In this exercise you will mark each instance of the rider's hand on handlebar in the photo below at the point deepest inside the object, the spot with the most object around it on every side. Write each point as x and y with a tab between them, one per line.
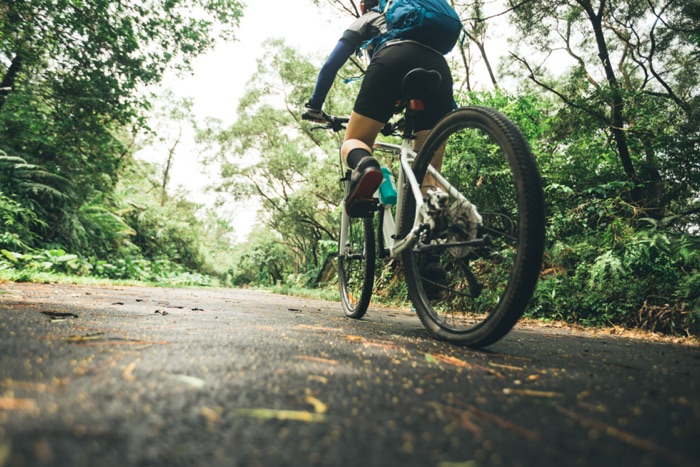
314	115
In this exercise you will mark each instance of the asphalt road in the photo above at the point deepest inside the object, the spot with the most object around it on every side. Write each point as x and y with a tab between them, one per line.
124	376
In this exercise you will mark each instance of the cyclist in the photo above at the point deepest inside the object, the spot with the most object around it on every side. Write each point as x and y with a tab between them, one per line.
381	88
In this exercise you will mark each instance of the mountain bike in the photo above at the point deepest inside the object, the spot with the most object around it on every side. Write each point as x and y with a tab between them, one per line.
468	228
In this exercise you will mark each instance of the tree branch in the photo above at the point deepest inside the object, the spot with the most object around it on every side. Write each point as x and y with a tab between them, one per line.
672	95
566	100
505	12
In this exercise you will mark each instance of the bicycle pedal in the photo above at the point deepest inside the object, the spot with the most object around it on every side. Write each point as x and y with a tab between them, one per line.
363	208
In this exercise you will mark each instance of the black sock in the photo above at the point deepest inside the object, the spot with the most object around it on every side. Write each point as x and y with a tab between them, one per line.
356	155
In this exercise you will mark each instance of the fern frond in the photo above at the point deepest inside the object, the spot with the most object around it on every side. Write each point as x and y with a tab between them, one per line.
7	160
40	189
606	267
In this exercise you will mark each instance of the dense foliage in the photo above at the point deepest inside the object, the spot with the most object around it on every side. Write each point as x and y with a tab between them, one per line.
606	93
72	102
613	124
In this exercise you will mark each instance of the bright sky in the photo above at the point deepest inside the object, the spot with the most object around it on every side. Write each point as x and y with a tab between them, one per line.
222	74
220	78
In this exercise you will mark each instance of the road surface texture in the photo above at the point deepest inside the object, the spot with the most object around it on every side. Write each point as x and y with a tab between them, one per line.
127	376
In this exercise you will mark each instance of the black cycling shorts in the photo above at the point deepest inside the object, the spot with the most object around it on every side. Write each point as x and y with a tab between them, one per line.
381	86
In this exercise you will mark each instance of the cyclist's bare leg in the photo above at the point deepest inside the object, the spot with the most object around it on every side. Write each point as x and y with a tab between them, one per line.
366	176
361	133
429	180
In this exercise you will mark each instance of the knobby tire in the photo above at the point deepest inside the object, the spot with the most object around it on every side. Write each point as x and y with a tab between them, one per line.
356	268
484	291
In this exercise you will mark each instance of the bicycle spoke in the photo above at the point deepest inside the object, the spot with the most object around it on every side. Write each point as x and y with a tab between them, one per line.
471	280
356	268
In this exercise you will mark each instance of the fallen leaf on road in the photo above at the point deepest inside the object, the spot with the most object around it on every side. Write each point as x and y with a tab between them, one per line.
367	341
531	392
191	381
505	367
459	363
128	373
495	419
452	361
88	337
55	316
629	438
271	414
318	359
317	328
320	379
30	385
10	403
467	414
319	407
120	342
211	415
600	408
471	463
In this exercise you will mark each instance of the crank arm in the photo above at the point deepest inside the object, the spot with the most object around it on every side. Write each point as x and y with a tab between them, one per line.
479	242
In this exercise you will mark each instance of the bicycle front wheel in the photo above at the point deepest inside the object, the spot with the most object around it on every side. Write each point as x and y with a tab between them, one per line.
356	267
474	294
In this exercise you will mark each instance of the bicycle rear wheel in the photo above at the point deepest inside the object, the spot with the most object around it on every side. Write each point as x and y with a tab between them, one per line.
356	267
474	295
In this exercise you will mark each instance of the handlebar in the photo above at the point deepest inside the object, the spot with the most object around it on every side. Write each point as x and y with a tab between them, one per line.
340	123
332	123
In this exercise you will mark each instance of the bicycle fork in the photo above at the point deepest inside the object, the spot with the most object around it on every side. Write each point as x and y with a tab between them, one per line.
427	209
422	219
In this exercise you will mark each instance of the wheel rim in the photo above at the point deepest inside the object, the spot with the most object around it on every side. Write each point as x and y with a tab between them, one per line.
353	268
475	283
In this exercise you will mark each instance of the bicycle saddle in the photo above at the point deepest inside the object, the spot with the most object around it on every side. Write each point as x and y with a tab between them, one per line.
420	84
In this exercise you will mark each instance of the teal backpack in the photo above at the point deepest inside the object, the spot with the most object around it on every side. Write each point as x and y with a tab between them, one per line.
431	22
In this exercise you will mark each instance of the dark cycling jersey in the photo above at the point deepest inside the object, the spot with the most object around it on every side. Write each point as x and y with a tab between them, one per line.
361	30
381	86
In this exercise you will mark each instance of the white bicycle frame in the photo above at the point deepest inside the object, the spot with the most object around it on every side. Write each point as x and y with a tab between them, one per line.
422	219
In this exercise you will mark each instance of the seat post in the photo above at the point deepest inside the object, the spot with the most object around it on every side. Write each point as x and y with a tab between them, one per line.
417	85
409	123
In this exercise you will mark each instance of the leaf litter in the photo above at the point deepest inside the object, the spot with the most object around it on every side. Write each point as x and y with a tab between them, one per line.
272	414
11	403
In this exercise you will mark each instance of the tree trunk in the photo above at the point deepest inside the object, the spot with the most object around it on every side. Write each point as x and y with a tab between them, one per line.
8	81
617	104
168	166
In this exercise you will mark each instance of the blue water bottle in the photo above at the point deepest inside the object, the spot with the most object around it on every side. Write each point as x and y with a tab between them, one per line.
387	190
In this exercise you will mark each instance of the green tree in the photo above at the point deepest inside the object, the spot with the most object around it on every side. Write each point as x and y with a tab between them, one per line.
74	77
171	121
268	154
632	77
102	51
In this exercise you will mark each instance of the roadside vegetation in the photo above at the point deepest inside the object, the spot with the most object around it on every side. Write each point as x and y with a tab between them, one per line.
605	92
